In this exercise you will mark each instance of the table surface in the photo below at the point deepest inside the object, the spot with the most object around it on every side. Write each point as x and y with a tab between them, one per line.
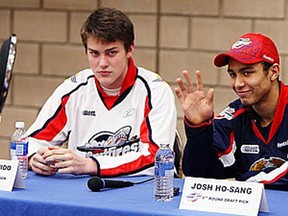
69	195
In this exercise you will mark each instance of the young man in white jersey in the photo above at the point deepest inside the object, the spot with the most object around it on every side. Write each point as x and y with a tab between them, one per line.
113	116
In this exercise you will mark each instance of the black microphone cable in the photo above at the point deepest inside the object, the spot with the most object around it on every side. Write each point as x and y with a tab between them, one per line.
143	181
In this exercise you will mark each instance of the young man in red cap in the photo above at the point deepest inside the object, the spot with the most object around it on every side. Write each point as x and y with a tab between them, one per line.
249	139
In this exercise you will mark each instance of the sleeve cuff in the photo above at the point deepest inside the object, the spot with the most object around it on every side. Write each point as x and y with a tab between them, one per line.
203	124
98	166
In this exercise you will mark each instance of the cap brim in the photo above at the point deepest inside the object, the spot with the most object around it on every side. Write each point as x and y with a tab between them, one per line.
221	60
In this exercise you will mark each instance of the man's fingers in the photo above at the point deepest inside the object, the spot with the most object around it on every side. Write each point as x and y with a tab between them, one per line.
41	151
182	87
65	170
188	81
199	81
42	168
210	95
51	160
179	95
54	147
54	151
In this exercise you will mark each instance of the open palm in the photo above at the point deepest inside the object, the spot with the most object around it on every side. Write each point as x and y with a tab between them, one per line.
197	106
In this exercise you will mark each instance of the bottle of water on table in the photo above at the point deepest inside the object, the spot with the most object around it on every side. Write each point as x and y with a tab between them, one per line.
164	173
19	148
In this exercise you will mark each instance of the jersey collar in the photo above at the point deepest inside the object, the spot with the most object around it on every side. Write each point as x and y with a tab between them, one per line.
129	80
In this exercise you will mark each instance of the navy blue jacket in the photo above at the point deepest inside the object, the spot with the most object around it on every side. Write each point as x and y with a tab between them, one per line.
234	145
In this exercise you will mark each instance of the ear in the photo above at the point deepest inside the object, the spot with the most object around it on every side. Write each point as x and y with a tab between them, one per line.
274	72
130	51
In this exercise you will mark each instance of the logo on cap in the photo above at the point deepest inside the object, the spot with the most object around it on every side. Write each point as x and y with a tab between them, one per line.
268	58
241	42
250	48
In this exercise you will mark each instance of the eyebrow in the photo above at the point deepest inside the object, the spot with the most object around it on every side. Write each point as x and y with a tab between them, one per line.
112	48
242	69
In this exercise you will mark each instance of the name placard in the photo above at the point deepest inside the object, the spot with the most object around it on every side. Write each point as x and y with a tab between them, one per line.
223	196
10	175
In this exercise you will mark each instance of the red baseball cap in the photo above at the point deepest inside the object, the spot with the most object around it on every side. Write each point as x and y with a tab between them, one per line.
250	48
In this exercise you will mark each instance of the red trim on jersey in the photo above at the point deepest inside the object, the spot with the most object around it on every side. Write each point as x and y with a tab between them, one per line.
229	149
232	135
128	82
109	100
145	131
129	168
254	127
145	127
55	125
276	178
240	111
258	133
279	113
130	76
143	161
203	124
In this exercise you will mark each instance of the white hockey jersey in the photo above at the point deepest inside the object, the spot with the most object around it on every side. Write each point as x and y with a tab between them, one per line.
122	132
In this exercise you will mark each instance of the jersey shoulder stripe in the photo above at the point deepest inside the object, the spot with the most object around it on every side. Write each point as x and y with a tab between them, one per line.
53	125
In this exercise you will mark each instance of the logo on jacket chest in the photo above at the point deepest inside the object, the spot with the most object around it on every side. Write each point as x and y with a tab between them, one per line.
127	113
89	112
283	144
250	149
112	144
264	163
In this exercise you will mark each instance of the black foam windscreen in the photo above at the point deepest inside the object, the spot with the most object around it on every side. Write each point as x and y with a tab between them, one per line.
96	183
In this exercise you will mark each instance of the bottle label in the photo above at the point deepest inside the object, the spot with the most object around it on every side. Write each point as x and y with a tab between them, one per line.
21	148
13	146
164	169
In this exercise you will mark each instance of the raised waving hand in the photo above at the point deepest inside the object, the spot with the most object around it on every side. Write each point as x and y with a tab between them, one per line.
197	106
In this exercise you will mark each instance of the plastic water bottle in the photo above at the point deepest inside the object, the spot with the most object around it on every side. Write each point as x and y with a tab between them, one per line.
19	148
164	173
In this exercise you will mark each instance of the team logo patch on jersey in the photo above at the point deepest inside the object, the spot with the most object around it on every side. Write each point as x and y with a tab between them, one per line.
158	79
250	149
74	78
263	163
129	112
112	144
89	112
227	113
283	144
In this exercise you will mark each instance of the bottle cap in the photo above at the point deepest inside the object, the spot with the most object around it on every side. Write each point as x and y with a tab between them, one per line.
19	124
164	145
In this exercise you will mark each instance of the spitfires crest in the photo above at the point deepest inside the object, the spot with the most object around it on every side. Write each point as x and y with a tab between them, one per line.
109	141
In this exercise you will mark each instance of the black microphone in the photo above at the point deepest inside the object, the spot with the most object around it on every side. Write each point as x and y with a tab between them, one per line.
95	184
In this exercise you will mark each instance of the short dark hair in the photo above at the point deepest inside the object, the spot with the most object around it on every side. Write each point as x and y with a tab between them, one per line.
266	65
108	25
